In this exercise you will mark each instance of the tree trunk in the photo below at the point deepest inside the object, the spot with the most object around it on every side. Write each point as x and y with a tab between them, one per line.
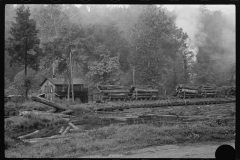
68	91
71	76
49	103
26	89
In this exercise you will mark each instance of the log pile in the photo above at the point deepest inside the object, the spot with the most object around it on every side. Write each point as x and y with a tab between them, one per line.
187	91
143	92
112	92
208	91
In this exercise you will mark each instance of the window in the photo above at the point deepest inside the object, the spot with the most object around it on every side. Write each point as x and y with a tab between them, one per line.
77	88
63	88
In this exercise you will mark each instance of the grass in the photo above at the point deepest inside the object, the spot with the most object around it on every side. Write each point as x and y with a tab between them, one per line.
12	108
21	125
115	139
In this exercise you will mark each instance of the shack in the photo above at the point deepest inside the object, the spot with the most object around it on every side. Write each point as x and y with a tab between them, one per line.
57	87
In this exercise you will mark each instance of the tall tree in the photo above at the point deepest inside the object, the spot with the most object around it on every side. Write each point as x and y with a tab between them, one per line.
23	43
156	43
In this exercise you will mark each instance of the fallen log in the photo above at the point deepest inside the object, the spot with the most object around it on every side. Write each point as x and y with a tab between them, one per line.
66	130
61	130
49	103
21	113
28	135
73	126
69	111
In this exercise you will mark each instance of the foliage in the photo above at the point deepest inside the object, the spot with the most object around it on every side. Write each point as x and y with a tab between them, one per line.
23	39
110	41
157	43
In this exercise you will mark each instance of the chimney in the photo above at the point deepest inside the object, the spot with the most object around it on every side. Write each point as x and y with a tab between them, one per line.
53	69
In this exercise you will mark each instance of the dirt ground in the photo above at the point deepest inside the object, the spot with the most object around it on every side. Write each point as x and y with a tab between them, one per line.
196	150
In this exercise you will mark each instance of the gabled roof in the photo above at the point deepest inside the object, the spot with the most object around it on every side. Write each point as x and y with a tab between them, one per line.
60	81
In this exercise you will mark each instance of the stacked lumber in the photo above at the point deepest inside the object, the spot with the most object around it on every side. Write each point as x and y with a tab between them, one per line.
144	92
112	92
208	91
187	91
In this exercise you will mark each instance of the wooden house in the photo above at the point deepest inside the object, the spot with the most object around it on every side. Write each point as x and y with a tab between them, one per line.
57	87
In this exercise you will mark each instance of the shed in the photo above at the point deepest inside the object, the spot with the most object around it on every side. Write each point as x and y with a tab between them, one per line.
58	87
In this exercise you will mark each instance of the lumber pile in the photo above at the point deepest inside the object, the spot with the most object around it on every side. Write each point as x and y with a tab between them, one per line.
144	92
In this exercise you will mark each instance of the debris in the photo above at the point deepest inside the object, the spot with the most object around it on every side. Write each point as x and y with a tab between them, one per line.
28	135
61	130
66	130
73	126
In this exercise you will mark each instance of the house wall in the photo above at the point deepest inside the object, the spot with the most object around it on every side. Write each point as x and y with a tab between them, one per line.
79	92
49	89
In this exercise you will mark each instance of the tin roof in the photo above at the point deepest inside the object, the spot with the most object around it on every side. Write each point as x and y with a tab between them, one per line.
63	81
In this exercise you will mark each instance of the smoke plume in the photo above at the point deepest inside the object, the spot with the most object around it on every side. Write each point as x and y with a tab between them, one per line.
188	18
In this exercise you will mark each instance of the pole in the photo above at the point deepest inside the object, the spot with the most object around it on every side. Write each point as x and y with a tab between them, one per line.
71	75
26	89
134	76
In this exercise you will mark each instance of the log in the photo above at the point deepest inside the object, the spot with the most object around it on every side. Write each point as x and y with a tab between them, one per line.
146	90
144	94
114	91
21	113
181	86
61	130
66	130
69	111
73	126
189	91
109	87
120	95
49	103
28	135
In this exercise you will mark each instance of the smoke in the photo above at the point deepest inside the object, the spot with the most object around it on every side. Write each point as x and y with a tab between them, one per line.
220	41
188	18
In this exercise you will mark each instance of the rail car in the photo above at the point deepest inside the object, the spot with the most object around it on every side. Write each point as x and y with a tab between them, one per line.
204	91
115	92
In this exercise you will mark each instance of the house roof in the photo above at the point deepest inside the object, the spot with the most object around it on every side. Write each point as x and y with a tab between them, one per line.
62	81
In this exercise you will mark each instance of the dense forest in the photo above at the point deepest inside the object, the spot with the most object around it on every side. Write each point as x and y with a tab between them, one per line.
164	48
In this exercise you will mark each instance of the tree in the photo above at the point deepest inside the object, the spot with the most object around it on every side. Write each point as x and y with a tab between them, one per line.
157	43
50	21
23	43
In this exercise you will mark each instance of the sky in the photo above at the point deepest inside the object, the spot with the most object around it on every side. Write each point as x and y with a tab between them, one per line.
227	9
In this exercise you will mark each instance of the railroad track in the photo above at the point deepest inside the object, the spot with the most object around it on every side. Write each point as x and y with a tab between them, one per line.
161	103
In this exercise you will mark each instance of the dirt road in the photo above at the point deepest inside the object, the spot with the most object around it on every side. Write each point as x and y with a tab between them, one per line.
196	150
